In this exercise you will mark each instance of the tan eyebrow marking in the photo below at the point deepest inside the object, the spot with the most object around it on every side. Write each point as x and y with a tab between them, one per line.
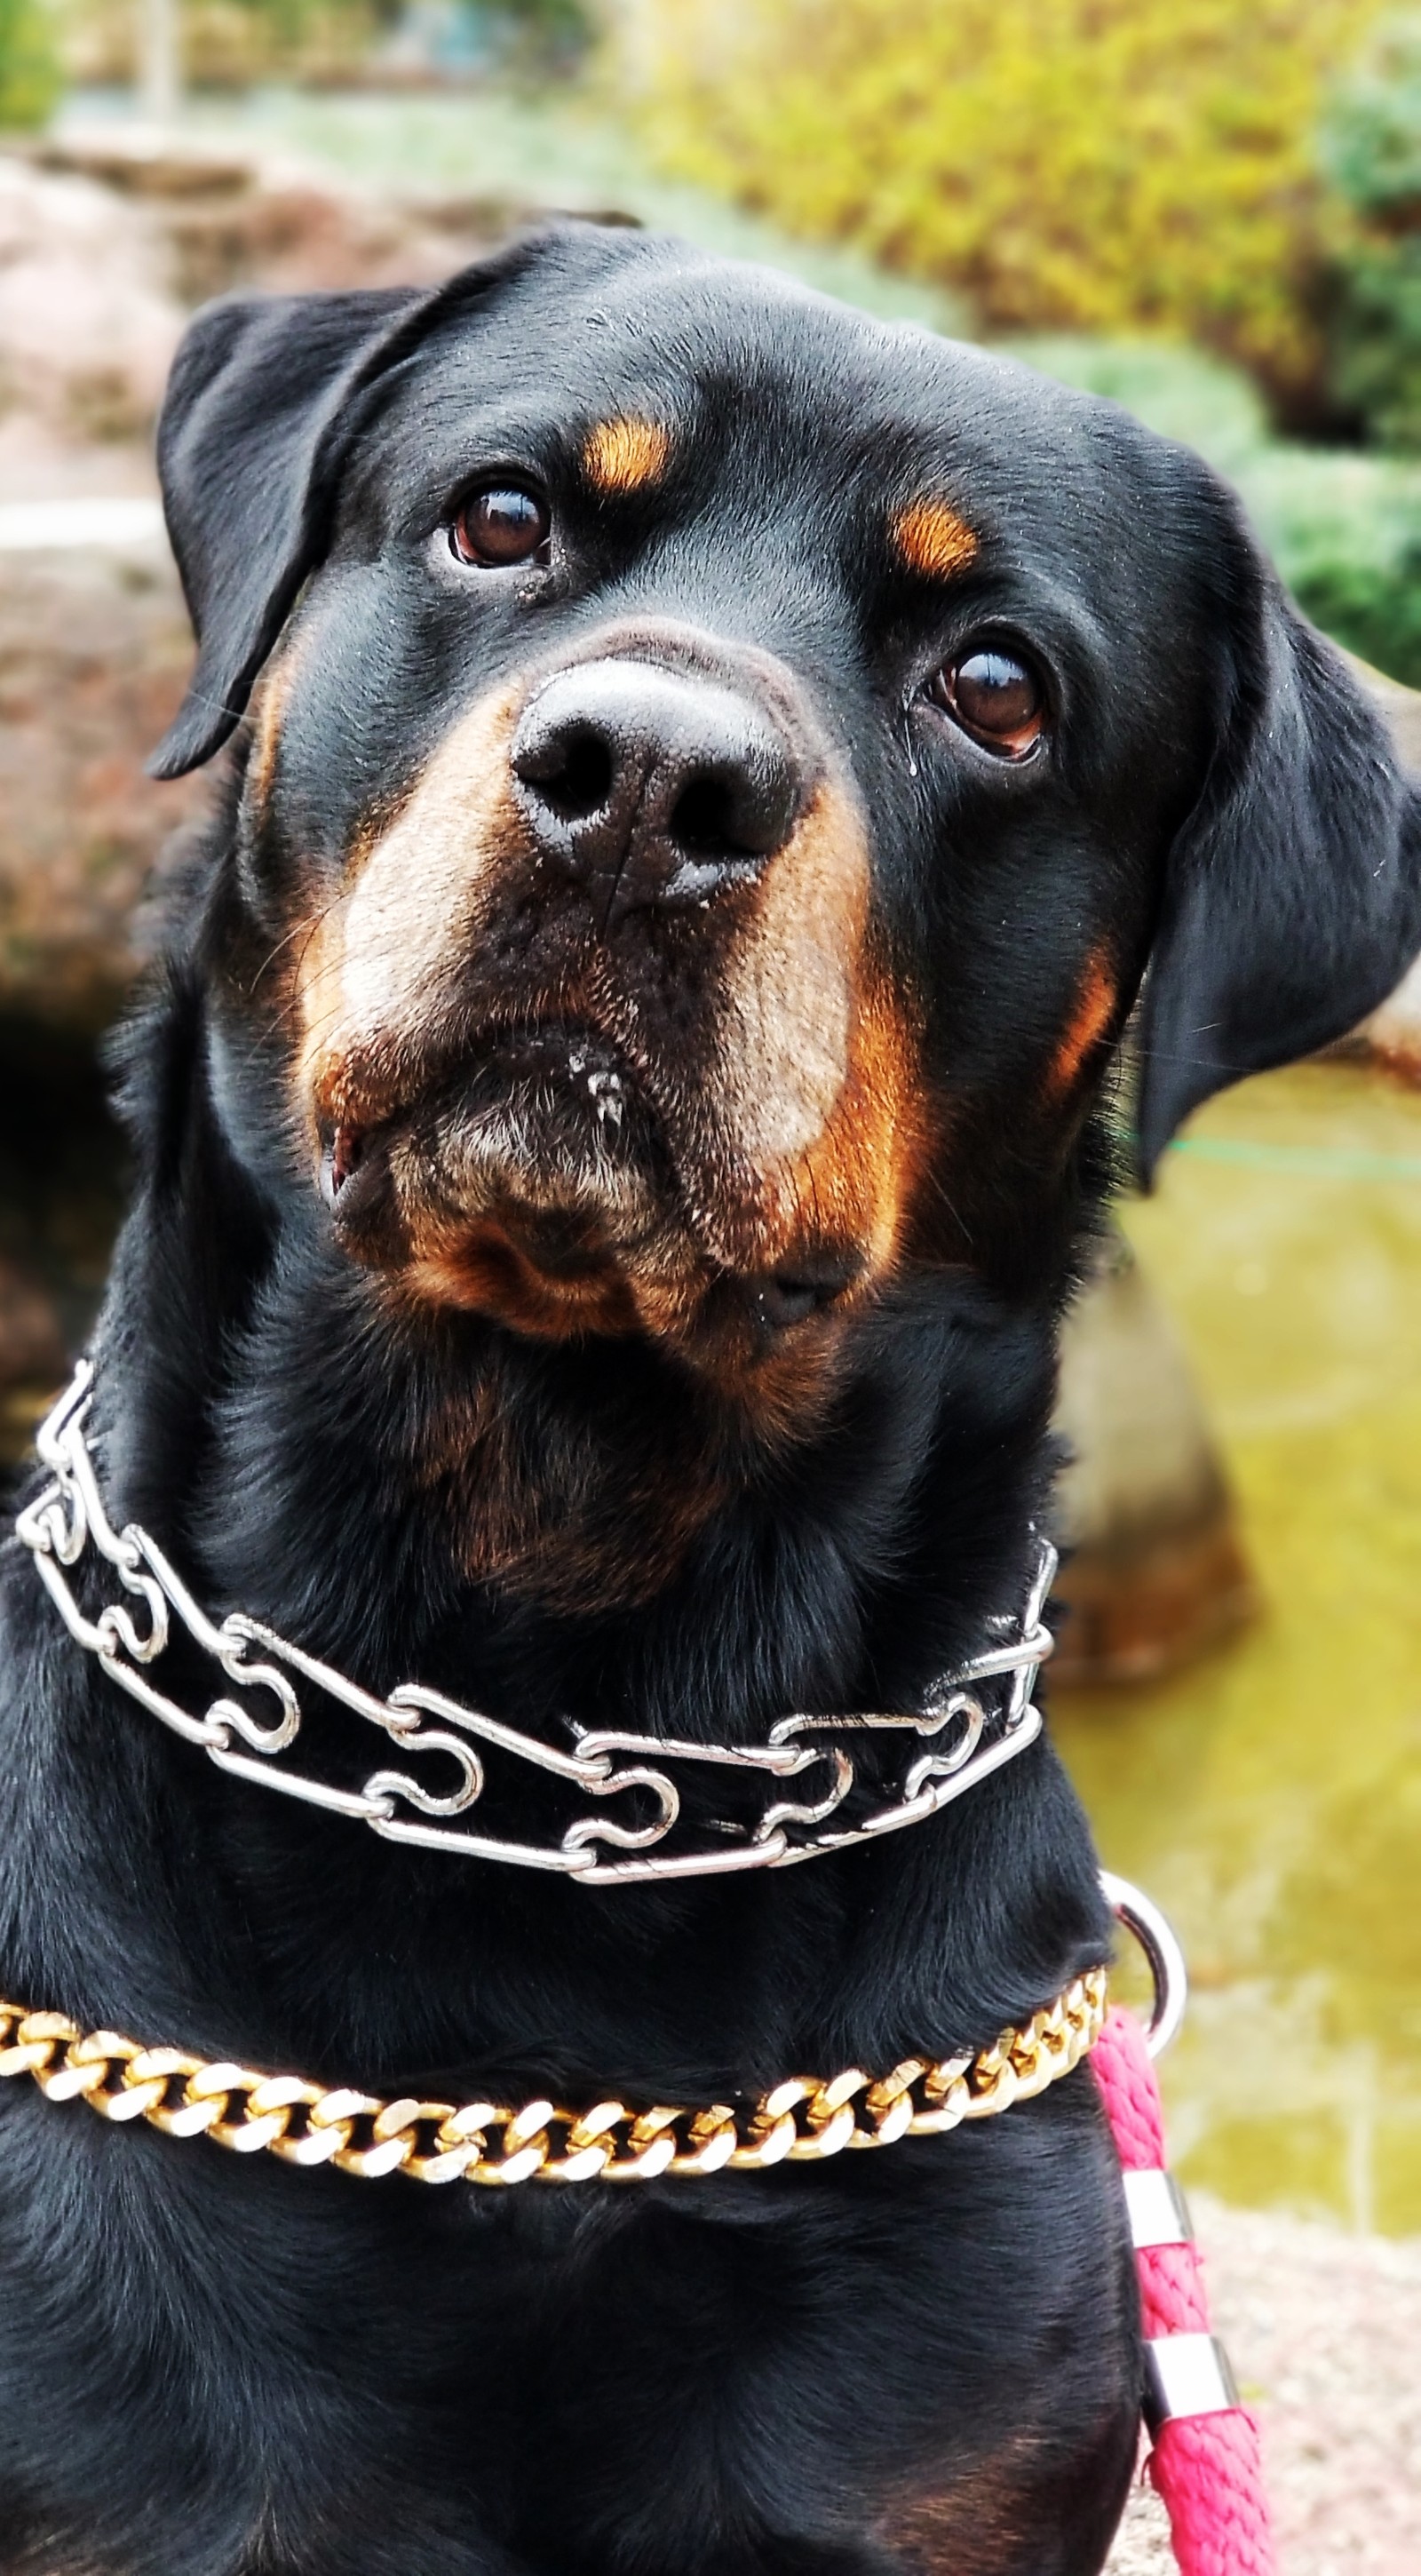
932	539
621	455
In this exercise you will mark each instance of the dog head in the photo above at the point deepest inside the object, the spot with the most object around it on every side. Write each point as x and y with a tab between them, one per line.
716	772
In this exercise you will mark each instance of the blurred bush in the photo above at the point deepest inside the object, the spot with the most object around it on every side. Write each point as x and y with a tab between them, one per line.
1089	165
1371	150
29	64
227	44
331	44
1344	528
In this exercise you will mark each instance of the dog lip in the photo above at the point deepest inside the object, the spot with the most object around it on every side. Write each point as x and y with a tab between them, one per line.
341	1155
526	1047
795	1291
534	1120
353	1179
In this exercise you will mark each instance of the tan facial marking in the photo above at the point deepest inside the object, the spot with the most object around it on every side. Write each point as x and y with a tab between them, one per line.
932	539
1086	1027
622	455
817	1063
791	990
386	956
269	705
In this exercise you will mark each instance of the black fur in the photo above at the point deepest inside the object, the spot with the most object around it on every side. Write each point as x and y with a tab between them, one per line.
219	2367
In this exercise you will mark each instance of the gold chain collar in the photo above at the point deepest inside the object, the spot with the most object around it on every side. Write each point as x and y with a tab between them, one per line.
802	2119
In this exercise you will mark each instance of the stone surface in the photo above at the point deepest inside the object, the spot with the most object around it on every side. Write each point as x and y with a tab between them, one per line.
1324	2331
94	654
88	323
1155	1570
103	248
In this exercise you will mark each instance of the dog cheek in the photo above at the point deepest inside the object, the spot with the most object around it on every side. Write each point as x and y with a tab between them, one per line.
791	993
270	701
858	1177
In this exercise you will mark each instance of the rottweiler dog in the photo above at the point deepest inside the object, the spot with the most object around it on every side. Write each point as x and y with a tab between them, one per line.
618	1118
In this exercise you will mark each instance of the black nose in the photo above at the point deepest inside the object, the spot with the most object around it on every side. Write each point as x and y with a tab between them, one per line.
652	786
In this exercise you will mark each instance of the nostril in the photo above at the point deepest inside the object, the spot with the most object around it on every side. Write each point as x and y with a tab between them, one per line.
656	785
742	809
572	771
703	817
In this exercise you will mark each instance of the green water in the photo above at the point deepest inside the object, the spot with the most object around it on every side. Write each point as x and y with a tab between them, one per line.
1270	1798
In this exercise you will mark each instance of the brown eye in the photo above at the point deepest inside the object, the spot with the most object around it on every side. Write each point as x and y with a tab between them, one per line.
996	697
504	525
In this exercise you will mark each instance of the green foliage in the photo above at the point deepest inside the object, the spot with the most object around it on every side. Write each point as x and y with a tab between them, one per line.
1371	135
1344	529
1376	338
1097	165
1371	144
29	64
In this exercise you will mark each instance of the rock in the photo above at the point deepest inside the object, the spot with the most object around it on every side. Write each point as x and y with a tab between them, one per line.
226	222
94	654
104	245
1324	2332
88	323
1155	1571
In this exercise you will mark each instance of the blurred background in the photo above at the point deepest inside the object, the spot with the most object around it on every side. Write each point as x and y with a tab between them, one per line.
1209	209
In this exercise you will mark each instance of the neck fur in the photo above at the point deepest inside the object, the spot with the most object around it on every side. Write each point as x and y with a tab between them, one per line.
265	1417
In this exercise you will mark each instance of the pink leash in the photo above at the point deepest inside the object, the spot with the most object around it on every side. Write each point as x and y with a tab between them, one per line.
1204	2461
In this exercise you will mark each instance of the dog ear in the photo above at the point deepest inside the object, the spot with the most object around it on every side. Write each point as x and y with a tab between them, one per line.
259	393
1292	897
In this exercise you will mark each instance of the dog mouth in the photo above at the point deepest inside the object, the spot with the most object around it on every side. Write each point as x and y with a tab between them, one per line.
544	1102
542	1133
538	1182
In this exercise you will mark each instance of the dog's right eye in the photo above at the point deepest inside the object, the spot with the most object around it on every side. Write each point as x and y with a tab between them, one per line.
503	524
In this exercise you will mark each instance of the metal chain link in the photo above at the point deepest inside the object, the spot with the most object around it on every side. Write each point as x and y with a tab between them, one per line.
800	2120
255	1719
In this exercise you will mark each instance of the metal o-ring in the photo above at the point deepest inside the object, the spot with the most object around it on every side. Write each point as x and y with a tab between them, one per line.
1156	1937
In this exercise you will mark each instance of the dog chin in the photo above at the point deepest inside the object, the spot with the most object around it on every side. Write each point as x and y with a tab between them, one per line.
541	1192
537	1189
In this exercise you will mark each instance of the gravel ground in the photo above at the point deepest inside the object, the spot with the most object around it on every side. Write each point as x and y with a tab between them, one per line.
1324	2332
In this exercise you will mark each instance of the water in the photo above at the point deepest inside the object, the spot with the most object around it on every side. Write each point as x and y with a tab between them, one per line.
1270	1797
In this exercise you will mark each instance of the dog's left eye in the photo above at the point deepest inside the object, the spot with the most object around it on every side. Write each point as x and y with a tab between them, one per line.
995	697
504	524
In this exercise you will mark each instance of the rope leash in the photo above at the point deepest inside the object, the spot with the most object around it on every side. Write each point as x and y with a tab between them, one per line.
1204	2462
